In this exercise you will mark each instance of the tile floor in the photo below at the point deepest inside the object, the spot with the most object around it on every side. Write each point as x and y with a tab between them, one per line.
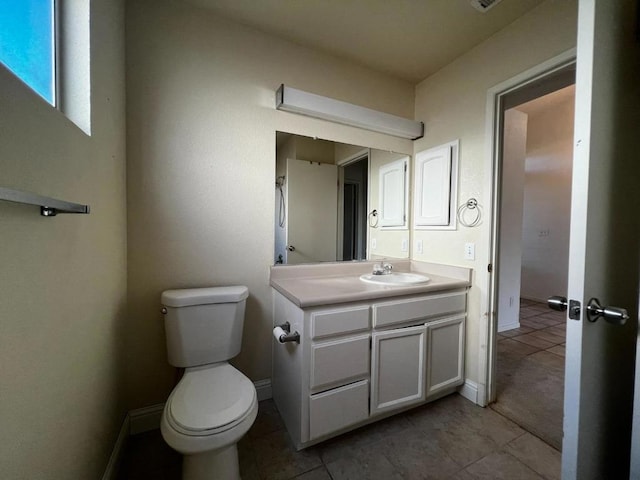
450	438
530	373
447	439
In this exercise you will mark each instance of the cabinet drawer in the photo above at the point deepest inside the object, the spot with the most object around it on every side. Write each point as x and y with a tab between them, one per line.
346	320
339	361
402	311
339	408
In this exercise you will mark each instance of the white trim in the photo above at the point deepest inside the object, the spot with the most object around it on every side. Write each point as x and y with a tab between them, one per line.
263	389
148	418
488	284
145	419
469	390
356	157
111	471
508	326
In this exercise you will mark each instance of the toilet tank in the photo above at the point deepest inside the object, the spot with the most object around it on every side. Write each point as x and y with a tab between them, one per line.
203	325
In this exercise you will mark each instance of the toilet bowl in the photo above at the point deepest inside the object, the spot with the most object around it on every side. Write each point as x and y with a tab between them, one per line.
213	406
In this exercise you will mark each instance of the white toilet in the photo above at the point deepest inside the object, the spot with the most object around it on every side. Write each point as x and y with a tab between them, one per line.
213	405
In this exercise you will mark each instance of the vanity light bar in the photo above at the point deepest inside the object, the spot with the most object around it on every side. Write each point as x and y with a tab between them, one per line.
305	103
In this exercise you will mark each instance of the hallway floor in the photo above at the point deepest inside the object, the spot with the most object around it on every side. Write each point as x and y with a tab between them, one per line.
530	376
450	438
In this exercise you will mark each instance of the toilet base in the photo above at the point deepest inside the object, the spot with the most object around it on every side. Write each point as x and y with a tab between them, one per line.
217	464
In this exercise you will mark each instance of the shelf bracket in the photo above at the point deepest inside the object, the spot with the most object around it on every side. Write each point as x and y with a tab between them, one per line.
49	207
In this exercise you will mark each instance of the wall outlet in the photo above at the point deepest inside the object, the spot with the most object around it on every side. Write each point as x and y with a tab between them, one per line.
419	247
373	244
404	245
469	251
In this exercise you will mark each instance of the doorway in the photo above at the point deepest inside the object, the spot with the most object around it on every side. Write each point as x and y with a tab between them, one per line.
354	219
532	242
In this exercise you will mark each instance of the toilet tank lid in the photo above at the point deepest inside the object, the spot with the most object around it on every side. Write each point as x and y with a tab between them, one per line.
203	296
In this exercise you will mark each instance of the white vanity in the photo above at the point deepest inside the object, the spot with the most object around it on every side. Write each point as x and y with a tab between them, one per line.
365	351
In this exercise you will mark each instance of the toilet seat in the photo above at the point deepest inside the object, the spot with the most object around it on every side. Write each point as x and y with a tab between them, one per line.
210	400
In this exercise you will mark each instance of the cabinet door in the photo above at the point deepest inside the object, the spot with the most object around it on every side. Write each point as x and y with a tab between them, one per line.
397	368
445	354
393	194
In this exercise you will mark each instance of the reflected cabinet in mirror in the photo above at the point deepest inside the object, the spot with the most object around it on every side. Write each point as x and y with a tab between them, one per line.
337	202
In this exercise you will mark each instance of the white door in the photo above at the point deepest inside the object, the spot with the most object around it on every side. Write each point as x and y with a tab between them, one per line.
312	206
604	251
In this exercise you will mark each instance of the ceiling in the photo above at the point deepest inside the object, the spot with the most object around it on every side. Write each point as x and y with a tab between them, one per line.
408	39
550	100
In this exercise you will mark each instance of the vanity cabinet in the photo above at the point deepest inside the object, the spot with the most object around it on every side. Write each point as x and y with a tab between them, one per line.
359	362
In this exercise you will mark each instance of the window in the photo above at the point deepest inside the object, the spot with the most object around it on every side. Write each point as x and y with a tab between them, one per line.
27	43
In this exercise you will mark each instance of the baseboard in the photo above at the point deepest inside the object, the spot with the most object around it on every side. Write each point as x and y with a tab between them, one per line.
469	391
145	419
148	418
263	389
508	326
111	472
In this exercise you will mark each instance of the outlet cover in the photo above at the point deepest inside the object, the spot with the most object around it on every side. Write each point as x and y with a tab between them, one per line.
469	251
404	246
373	244
419	247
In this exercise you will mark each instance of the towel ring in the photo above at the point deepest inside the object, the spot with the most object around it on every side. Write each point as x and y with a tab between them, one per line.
471	204
373	218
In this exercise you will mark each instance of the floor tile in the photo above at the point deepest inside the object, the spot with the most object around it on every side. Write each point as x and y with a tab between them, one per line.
417	455
465	432
531	323
317	474
560	330
548	336
557	317
537	455
345	445
501	466
267	421
530	339
448	438
530	392
514	347
363	465
558	350
277	458
527	312
516	331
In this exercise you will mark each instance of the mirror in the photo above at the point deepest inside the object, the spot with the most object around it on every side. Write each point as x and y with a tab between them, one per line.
339	202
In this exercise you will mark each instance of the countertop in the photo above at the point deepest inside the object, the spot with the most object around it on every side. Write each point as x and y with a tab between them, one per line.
330	283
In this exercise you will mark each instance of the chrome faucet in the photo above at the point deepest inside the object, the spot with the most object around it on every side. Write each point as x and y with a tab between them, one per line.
382	268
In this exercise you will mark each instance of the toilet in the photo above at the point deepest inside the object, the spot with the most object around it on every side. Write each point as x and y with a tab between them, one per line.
213	405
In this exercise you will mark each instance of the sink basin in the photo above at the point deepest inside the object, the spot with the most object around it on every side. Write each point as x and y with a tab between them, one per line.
396	278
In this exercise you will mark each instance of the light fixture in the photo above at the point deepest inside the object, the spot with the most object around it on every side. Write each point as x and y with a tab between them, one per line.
305	103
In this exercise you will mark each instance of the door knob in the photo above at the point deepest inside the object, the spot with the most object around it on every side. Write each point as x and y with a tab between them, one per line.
615	315
557	303
560	304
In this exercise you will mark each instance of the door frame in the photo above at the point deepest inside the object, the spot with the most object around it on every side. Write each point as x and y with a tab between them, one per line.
493	135
356	157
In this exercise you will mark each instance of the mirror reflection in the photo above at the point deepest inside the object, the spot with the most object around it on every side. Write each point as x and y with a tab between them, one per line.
338	202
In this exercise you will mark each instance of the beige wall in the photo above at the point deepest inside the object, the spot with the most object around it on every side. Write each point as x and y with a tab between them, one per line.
452	105
547	201
201	130
63	279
